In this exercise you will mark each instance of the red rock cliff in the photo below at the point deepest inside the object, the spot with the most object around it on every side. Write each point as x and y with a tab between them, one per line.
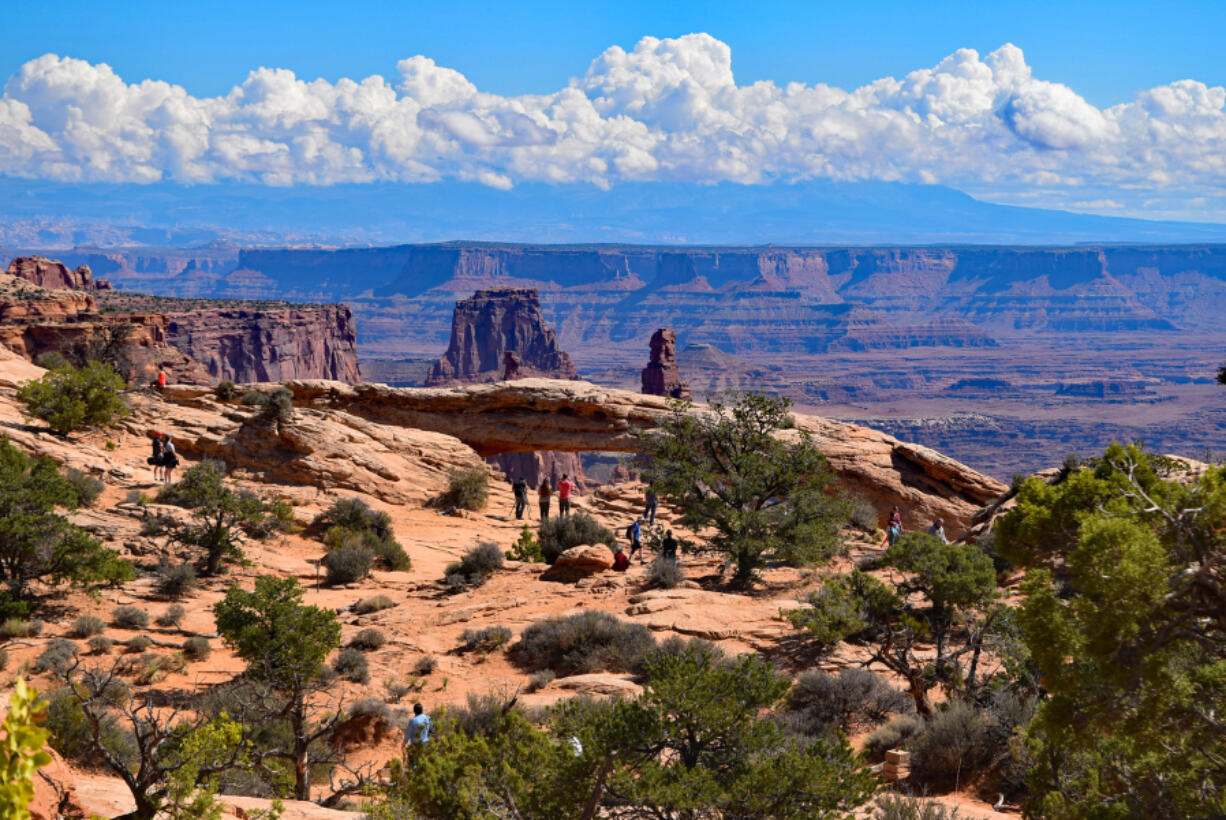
50	273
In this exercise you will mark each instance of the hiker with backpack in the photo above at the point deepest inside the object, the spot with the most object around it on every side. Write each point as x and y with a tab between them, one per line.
170	458
520	488
634	533
156	459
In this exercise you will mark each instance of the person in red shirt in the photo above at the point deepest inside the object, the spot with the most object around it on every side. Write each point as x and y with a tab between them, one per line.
161	380
621	561
565	486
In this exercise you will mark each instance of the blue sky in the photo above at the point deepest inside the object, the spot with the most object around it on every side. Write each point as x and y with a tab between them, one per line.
1086	108
1106	50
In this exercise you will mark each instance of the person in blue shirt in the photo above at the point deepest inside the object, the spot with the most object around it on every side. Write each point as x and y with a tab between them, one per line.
417	733
635	533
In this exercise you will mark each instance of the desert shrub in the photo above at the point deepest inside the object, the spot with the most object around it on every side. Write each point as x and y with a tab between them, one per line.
526	548
476	565
225	390
69	399
560	533
664	573
139	643
425	665
129	617
864	515
172	617
156	526
51	360
19	628
71	732
175	581
4	659
252	398
540	680
853	697
87	626
351	665
346	565
86	487
467	489
949	745
196	648
890	736
368	640
584	642
375	603
100	645
898	807
56	657
351	522
154	668
486	640
478	717
372	707
278	406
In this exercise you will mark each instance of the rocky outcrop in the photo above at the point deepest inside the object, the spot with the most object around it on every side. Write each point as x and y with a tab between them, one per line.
54	275
579	562
243	344
487	326
535	414
662	376
55	792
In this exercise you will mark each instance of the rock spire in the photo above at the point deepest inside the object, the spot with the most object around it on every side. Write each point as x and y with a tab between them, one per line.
661	376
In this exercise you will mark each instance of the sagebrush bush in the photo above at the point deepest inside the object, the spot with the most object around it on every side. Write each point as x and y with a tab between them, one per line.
129	617
196	648
351	665
898	807
540	680
56	657
850	698
347	564
486	640
278	406
71	732
252	398
225	390
467	489
19	628
476	566
425	665
100	645
890	736
375	603
368	640
582	643
479	716
864	515
664	573
139	644
351	522
175	581
950	745
86	487
560	533
87	626
172	617
372	707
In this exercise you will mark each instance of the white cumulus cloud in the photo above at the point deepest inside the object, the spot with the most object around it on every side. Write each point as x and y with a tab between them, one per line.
669	109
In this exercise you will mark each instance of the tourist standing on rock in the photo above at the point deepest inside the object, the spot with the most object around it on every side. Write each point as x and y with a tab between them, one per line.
620	561
893	530
565	487
938	529
170	458
544	493
520	488
668	547
156	458
649	509
635	533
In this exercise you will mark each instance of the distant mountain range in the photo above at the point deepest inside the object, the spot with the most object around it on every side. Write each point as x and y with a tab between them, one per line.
41	214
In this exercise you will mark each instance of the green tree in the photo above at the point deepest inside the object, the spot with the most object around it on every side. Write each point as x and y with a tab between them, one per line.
1125	618
69	399
699	742
21	752
219	510
740	468
36	542
942	587
285	644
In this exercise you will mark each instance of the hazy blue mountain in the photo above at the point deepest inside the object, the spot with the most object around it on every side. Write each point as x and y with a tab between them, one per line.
805	213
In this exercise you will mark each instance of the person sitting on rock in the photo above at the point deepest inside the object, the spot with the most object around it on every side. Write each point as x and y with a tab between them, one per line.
544	493
565	488
621	562
635	533
160	382
520	488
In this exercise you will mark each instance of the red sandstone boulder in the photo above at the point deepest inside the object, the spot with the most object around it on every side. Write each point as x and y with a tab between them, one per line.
55	792
580	562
